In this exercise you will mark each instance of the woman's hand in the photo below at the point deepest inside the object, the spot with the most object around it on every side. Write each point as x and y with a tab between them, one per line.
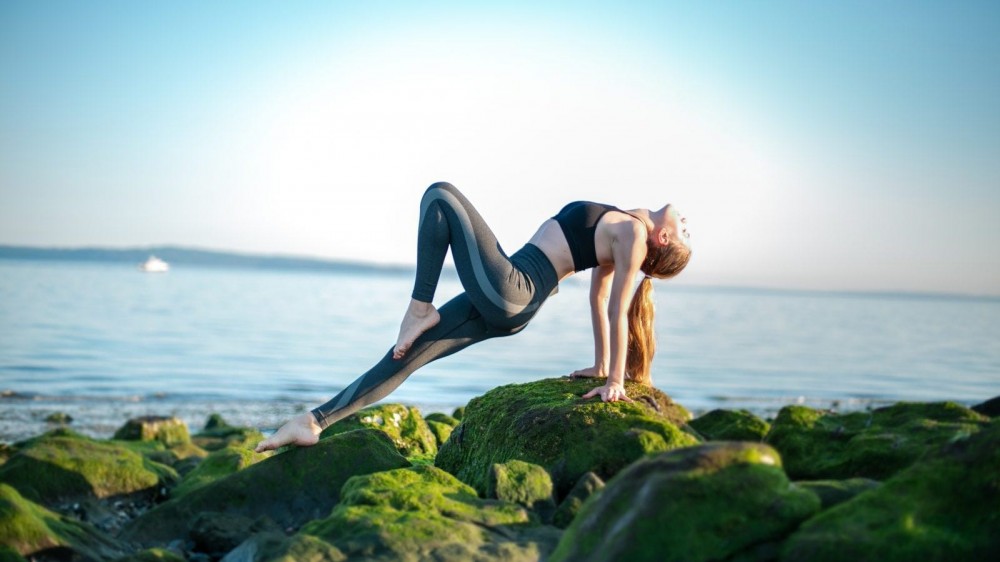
589	373
610	392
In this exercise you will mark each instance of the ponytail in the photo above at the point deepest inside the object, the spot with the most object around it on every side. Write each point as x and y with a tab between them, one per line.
641	338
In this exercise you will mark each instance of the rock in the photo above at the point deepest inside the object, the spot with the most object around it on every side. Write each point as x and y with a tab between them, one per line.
989	408
730	425
710	502
8	554
459	413
571	505
217	434
65	466
876	444
168	430
522	483
291	488
834	492
277	548
440	430
941	508
153	555
59	418
422	513
216	465
547	423
216	533
404	425
33	531
450	421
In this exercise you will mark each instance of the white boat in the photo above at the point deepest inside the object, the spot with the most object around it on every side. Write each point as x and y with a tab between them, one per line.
154	265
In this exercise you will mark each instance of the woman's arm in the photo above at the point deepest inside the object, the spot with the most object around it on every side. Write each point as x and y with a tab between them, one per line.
600	288
628	250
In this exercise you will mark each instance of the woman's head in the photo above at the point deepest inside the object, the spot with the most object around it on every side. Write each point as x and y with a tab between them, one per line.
668	247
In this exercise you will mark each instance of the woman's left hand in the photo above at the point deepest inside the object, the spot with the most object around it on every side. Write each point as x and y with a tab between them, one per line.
610	392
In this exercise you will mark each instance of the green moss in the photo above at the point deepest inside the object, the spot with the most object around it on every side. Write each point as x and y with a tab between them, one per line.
710	502
522	483
574	501
216	465
29	528
459	413
63	465
168	430
730	425
404	425
440	430
416	513
834	492
291	488
222	437
297	548
547	423
942	508
59	418
152	555
442	418
873	444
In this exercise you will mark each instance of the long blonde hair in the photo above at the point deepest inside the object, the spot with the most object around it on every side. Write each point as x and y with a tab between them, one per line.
662	262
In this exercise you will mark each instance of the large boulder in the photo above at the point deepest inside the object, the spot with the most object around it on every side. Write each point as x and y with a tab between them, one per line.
730	425
33	531
944	507
716	501
836	492
525	484
547	423
166	429
291	488
877	444
65	466
421	513
403	424
218	464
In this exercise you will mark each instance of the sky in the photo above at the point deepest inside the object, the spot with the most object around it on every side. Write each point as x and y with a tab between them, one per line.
847	145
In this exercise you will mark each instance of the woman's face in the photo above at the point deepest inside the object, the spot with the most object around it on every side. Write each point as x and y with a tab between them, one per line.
677	225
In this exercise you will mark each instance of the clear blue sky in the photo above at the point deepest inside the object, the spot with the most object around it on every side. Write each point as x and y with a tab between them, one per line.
827	145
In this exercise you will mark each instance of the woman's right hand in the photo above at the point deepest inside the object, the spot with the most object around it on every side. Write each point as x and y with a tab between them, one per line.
589	373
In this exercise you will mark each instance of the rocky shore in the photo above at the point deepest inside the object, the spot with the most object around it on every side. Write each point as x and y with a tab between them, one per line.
524	472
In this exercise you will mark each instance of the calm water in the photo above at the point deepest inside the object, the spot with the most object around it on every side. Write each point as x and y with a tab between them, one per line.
104	342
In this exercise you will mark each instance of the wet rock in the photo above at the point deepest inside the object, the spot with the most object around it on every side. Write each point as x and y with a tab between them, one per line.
710	502
65	466
730	425
548	423
170	431
291	488
215	534
404	425
33	531
442	418
523	483
420	513
571	505
216	465
942	508
876	444
61	418
834	492
8	554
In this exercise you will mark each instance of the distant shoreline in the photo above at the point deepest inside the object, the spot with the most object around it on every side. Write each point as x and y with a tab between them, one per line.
187	256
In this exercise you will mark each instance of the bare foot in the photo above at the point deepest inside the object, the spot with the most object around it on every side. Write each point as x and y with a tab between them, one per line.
420	317
301	430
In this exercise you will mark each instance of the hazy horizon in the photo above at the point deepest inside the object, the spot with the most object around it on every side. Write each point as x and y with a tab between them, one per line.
842	147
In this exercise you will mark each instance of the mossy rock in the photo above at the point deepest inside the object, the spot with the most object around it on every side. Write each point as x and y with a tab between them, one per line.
8	554
30	530
215	534
274	547
989	408
943	507
216	465
217	434
577	497
443	418
730	425
876	444
547	423
835	492
160	453
459	413
63	466
403	424
60	418
424	513
440	430
710	502
523	483
153	555
291	488
170	431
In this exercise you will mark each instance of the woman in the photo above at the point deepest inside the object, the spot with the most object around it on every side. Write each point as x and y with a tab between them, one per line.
502	294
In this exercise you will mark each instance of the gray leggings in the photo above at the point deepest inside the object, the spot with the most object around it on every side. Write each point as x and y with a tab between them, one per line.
501	295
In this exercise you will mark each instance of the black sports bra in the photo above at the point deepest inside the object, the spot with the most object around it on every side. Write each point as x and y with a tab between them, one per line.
578	221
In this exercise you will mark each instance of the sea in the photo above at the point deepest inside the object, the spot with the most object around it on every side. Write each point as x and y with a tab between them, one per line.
103	342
